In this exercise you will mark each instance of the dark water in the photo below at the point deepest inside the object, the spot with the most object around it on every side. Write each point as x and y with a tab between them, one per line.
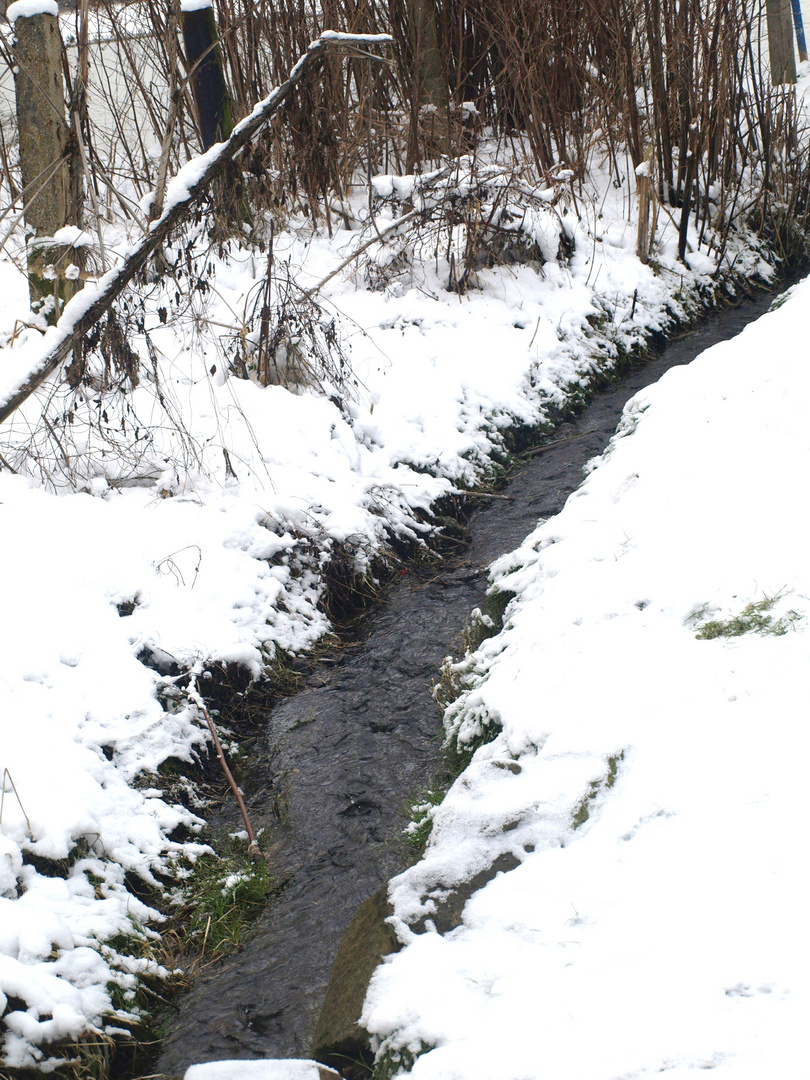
343	755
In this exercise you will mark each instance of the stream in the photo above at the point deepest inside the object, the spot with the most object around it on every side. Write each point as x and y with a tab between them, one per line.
340	758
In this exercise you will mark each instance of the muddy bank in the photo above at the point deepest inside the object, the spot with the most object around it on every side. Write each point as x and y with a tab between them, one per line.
341	757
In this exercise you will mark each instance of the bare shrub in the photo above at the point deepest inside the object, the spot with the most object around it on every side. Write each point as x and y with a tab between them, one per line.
289	340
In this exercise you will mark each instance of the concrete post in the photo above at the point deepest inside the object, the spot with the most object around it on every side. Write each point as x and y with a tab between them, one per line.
40	95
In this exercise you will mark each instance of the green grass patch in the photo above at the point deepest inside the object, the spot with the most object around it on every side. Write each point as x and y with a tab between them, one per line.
755	618
420	813
483	623
223	895
392	1063
454	679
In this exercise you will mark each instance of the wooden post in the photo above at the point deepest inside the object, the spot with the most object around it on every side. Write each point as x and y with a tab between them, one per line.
780	41
686	197
213	103
207	79
644	189
40	94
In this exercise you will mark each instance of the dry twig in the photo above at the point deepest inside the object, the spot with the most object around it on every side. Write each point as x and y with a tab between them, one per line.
196	698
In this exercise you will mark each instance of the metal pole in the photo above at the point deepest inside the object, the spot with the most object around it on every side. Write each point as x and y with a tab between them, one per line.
798	23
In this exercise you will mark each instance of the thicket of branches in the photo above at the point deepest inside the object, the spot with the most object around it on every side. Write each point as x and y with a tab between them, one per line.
555	88
685	82
682	81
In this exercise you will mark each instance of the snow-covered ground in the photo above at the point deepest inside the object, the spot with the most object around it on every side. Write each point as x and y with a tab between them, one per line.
206	542
648	777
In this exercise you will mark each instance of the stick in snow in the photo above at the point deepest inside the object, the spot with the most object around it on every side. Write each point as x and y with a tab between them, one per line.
195	697
185	191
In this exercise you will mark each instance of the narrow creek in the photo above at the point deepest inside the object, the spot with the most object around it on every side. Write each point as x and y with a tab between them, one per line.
345	753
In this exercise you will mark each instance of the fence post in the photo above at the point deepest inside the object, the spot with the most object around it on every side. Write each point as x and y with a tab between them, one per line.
780	41
207	80
40	96
644	189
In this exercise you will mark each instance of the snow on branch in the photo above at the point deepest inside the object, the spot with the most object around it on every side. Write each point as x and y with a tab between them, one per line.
186	189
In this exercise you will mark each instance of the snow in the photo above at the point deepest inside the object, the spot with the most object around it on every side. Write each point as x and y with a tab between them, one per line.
259	1070
28	8
661	933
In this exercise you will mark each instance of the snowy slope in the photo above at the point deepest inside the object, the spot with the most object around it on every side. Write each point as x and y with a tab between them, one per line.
649	782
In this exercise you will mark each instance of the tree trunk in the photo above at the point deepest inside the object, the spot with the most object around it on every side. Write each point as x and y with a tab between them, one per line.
429	103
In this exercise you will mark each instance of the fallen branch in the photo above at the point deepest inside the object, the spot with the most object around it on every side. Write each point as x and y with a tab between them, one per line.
376	239
8	778
186	189
473	494
559	442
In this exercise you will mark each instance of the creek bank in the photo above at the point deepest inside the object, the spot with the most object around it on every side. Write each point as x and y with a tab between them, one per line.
339	1038
344	754
612	701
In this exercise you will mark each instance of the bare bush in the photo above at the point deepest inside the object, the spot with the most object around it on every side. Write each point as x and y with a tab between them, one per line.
561	86
554	80
288	340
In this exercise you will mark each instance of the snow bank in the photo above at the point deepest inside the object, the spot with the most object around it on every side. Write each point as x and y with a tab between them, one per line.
647	783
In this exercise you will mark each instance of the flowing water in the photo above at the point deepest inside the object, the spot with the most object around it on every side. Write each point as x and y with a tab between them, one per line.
341	757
